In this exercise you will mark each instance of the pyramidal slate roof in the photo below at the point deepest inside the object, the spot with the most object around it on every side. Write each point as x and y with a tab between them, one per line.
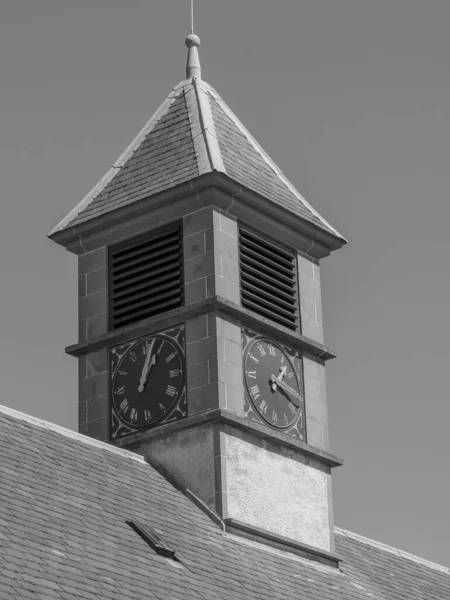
191	134
65	500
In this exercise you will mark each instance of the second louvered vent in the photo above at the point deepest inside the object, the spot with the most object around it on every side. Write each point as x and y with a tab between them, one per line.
268	280
146	277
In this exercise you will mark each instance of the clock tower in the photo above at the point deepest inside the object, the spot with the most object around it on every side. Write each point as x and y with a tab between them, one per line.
200	322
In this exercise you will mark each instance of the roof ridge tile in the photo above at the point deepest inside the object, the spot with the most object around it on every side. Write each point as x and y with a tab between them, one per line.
123	158
10	412
392	550
263	154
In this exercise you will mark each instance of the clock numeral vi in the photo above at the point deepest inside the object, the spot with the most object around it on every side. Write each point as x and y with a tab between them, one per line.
147	415
275	416
134	415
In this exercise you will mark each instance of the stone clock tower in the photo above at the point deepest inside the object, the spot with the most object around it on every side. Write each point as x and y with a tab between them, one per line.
200	323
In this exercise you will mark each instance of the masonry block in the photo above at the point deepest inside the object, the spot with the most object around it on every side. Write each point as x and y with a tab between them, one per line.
233	352
195	244
313	367
94	304
309	286
91	261
228	330
201	351
310	298
82	330
317	434
198	221
82	412
198	376
235	399
197	329
228	290
97	281
96	326
229	226
305	265
96	362
229	373
96	429
314	391
195	291
317	411
93	386
97	408
230	269
82	286
199	267
204	398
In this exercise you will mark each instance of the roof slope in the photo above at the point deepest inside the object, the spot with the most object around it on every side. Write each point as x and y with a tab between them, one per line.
64	503
193	133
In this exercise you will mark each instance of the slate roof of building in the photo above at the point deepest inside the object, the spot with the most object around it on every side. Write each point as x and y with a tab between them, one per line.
192	133
65	500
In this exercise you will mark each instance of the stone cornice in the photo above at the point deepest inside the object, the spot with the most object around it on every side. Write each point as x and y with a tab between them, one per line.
215	305
242	202
219	415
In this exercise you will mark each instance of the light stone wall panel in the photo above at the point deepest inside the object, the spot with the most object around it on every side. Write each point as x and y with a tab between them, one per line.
283	494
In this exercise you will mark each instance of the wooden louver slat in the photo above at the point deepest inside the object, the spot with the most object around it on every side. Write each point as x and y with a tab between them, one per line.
268	280
145	277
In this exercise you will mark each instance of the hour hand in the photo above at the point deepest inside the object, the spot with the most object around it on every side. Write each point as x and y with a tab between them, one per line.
150	360
291	393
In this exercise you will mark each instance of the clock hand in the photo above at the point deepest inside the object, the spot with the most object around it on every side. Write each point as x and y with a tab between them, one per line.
149	362
286	388
279	377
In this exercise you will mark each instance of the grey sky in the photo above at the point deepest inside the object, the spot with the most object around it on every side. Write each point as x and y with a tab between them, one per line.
351	99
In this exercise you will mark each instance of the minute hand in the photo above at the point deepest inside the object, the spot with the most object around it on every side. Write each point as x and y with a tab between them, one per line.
287	388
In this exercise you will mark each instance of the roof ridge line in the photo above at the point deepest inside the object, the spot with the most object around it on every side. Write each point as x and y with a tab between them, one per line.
397	551
181	485
74	435
203	123
263	154
119	163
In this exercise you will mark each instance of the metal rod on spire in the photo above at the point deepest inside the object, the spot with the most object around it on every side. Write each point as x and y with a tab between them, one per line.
193	68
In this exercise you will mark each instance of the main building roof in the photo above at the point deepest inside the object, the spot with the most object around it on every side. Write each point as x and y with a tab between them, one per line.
65	501
193	133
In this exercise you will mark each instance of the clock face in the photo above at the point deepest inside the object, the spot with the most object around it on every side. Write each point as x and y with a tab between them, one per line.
272	384
147	381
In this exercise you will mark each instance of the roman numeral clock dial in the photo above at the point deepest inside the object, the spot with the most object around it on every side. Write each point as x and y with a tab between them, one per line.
273	385
147	383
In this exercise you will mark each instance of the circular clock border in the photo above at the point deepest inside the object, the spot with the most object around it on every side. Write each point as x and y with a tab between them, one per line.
246	352
177	397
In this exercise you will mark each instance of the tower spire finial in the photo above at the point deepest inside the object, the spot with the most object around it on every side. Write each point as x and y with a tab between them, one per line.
193	68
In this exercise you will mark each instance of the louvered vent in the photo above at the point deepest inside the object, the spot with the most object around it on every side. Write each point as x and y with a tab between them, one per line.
146	277
268	280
